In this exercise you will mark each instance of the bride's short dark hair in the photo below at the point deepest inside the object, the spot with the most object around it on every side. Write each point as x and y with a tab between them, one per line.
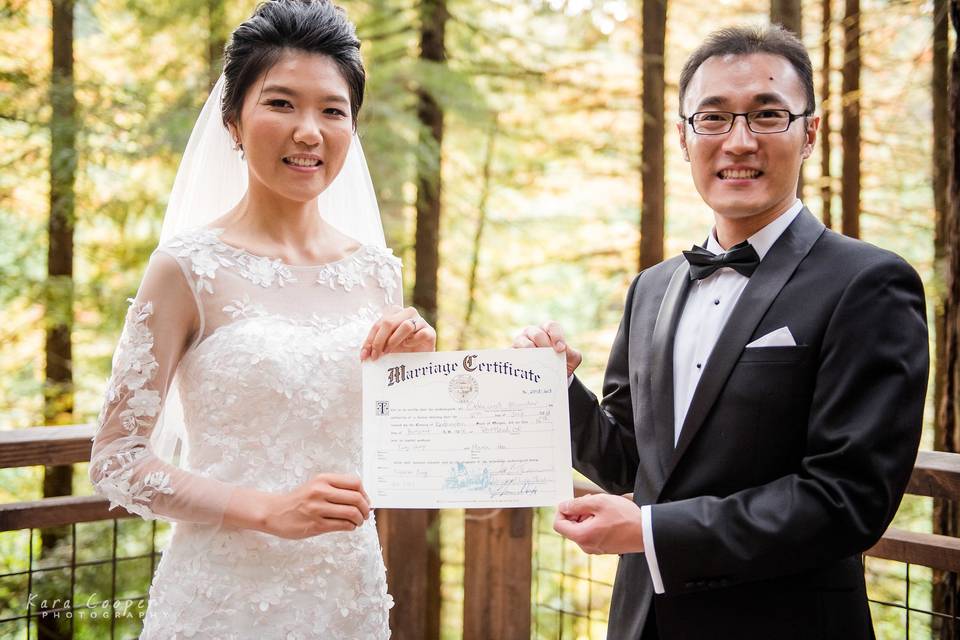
313	26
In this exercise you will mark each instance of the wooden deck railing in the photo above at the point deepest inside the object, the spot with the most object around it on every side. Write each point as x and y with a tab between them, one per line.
498	543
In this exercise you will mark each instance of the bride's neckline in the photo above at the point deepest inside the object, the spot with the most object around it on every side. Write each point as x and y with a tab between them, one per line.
217	231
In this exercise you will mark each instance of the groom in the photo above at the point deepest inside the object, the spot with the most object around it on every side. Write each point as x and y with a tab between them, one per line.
764	395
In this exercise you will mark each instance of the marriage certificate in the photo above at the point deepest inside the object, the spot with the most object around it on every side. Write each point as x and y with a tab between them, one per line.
466	429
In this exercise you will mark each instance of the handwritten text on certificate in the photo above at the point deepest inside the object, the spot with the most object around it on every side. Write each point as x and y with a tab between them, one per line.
466	429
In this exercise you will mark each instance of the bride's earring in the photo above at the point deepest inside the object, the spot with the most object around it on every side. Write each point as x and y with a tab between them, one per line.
238	146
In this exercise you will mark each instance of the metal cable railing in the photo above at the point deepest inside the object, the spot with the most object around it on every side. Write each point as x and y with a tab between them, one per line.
571	590
96	577
68	591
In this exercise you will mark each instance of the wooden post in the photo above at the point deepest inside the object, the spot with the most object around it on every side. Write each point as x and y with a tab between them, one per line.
411	552
497	574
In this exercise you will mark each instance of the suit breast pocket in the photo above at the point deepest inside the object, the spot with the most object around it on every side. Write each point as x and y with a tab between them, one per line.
772	355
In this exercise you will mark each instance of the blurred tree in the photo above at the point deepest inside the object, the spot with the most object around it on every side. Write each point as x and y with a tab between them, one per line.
58	390
652	152
482	205
433	23
826	177
217	31
788	14
58	396
850	127
946	298
412	536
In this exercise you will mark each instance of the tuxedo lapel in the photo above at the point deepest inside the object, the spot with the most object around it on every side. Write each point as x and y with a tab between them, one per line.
764	286
662	363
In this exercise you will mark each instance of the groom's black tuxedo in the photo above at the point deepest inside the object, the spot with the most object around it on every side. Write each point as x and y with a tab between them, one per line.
791	460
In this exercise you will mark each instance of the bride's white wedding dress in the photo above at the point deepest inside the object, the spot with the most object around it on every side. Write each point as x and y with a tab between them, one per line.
266	356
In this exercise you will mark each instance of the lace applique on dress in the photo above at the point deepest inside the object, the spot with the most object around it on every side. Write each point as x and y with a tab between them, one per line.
134	366
244	308
120	486
207	253
380	265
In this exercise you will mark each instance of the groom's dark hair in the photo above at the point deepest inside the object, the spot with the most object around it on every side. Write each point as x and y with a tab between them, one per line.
313	26
745	40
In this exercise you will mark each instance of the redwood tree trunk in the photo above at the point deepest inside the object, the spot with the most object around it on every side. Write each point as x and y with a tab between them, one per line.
410	537
788	14
58	390
58	387
946	588
651	152
216	39
429	159
826	177
850	128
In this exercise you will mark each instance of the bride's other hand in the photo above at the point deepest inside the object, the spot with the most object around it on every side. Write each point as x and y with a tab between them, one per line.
398	330
548	334
325	503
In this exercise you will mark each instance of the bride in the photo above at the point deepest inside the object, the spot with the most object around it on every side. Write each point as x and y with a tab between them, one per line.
240	356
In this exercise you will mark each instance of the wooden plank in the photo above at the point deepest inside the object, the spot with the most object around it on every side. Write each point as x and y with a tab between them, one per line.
927	549
497	574
936	474
54	512
410	539
45	446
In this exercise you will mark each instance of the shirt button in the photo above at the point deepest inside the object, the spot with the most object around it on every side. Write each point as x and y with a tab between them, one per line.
716	301
698	365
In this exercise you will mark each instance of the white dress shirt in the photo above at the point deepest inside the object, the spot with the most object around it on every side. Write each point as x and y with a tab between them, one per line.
704	314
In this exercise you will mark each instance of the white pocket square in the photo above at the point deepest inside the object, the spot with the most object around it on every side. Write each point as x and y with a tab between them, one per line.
779	338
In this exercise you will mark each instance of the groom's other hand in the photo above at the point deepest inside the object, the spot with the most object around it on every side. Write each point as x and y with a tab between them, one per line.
548	334
601	523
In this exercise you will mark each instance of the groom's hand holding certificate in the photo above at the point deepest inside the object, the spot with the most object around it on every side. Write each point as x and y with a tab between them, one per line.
600	523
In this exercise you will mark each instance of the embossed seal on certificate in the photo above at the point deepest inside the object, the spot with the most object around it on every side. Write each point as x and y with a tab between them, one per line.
463	387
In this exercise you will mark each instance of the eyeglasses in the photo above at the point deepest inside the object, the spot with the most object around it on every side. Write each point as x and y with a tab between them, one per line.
713	123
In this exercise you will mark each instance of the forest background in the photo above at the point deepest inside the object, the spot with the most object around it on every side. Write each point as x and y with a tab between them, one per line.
518	175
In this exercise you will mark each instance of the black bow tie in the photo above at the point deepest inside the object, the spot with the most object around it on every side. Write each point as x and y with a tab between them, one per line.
742	258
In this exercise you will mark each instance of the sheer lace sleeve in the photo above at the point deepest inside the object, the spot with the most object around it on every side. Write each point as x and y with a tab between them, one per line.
161	323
